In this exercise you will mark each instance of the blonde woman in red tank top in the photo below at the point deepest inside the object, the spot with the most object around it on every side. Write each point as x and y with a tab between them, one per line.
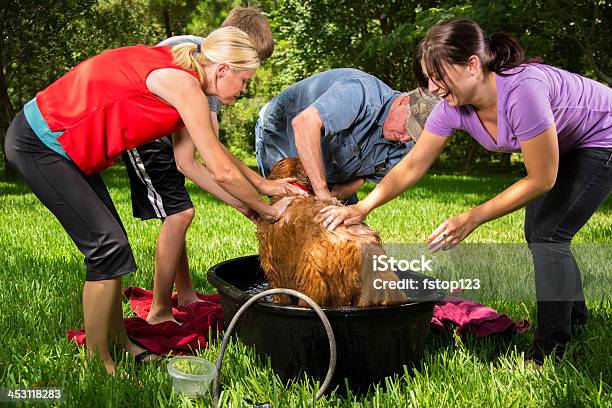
114	101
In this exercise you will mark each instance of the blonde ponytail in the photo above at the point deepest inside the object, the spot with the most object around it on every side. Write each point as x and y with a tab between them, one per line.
185	56
228	45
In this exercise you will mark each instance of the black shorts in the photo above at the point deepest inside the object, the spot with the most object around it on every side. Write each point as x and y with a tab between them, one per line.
80	202
158	188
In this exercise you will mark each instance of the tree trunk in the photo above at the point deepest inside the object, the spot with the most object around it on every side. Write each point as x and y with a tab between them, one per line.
6	115
587	49
167	23
602	76
505	160
470	155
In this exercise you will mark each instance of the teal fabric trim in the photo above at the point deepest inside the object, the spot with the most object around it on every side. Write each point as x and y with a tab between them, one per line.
40	127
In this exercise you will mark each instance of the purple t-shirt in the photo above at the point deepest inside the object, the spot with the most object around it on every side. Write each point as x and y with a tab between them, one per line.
528	102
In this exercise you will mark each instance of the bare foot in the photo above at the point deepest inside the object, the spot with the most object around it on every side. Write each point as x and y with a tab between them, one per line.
157	318
188	300
110	367
106	359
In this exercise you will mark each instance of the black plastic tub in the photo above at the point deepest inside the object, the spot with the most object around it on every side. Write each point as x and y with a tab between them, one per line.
372	342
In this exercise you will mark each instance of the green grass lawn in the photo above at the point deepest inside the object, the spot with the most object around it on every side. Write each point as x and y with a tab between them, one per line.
42	275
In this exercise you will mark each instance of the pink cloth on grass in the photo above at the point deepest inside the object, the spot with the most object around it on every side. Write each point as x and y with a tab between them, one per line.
468	316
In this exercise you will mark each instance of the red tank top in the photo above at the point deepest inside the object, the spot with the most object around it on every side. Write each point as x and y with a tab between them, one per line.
103	105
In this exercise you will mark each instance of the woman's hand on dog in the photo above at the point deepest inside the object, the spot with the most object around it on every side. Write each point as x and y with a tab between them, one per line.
332	216
277	209
249	213
280	187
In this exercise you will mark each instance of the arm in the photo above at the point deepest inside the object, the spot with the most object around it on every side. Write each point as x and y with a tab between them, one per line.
263	186
187	164
307	135
214	119
407	172
401	177
184	93
332	112
252	176
540	178
346	189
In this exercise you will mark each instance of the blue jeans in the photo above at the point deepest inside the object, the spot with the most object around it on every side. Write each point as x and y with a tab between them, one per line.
584	182
260	151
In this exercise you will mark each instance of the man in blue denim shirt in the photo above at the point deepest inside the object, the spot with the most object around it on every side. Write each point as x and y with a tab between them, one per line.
345	125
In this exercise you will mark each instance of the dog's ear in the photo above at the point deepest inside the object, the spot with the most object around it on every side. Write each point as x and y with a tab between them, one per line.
281	169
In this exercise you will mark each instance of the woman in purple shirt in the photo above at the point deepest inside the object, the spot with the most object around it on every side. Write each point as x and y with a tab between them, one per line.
560	122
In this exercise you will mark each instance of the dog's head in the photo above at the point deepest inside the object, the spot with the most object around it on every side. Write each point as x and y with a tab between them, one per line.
291	167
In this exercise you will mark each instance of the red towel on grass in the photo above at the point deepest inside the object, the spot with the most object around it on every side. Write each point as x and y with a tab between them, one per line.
198	318
480	320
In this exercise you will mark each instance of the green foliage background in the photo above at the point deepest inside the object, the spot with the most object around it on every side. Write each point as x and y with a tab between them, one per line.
42	40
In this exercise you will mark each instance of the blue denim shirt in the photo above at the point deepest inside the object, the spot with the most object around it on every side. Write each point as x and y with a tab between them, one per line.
353	106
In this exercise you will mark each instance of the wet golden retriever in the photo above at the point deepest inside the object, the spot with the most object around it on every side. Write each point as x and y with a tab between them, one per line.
334	268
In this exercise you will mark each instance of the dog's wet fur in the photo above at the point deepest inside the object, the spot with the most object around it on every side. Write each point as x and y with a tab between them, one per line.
296	252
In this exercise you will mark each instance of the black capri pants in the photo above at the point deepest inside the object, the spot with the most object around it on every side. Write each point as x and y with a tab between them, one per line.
80	202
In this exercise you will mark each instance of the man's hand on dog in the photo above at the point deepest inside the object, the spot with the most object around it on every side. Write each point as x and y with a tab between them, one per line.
331	200
332	216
